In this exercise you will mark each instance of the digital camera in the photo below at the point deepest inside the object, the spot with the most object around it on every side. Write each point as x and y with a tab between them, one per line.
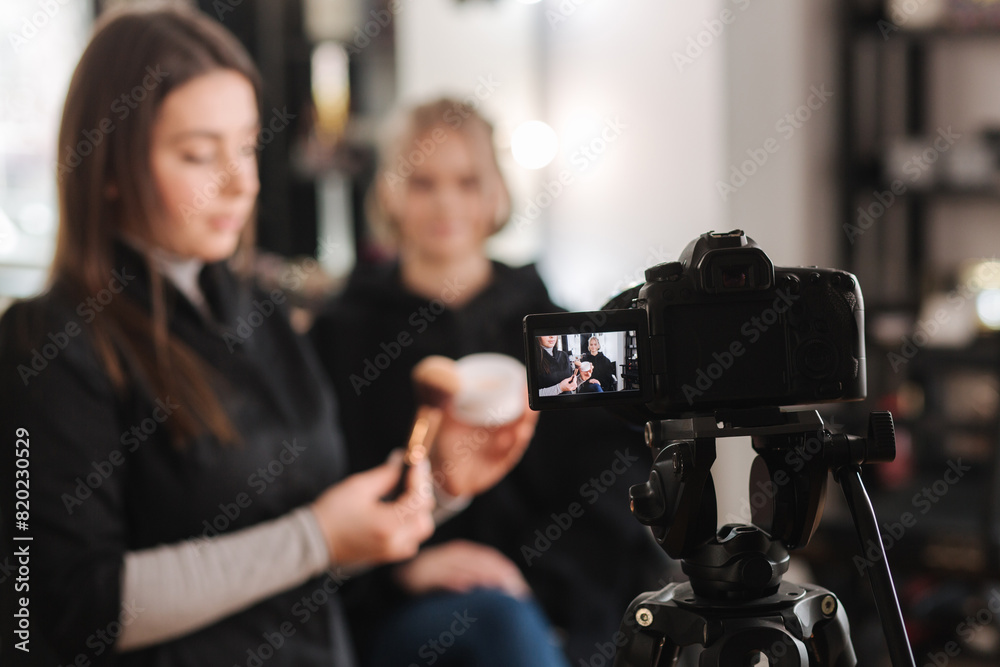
722	327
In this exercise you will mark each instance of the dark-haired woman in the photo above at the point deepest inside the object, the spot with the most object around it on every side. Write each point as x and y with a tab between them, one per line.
556	372
186	474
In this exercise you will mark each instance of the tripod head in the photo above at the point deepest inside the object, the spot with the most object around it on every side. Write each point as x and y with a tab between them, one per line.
735	604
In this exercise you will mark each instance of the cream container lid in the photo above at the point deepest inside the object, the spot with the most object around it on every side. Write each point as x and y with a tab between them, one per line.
491	390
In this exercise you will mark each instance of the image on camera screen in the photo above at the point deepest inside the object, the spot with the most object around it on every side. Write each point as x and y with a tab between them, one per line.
588	363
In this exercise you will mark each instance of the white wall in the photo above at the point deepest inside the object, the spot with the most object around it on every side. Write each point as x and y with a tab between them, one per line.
645	190
779	53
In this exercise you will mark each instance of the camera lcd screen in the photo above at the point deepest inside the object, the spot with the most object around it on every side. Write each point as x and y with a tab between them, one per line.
595	357
725	346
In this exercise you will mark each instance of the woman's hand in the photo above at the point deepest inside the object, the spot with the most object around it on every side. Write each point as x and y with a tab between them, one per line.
461	566
569	384
468	460
360	528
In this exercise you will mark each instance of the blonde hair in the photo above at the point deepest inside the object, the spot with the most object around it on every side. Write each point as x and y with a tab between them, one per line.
410	137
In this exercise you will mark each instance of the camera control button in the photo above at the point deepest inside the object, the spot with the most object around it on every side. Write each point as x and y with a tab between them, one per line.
790	284
817	359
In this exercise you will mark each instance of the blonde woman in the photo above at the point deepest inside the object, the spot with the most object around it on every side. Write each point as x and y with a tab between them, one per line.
553	584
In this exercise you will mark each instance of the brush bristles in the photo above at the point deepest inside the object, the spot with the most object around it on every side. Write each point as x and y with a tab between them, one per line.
435	381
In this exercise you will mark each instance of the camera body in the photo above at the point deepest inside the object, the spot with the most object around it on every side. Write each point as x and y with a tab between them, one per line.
722	327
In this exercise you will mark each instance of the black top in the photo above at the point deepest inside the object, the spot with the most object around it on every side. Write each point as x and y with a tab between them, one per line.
553	368
562	514
105	479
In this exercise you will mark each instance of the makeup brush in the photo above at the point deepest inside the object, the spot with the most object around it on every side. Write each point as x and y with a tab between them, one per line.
435	383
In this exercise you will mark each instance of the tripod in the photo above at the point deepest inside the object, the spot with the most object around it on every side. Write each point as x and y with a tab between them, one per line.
735	609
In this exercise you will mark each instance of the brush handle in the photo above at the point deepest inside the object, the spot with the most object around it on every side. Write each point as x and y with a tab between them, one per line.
400	487
422	435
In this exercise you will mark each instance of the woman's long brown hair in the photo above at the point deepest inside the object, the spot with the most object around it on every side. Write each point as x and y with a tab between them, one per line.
545	361
134	60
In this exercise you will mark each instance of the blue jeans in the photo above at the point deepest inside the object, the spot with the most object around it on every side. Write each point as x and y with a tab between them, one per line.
483	628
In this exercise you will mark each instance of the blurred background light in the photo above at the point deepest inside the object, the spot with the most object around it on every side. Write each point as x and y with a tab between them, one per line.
534	144
988	308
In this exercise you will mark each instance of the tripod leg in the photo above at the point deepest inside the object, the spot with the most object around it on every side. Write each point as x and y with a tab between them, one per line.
879	575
